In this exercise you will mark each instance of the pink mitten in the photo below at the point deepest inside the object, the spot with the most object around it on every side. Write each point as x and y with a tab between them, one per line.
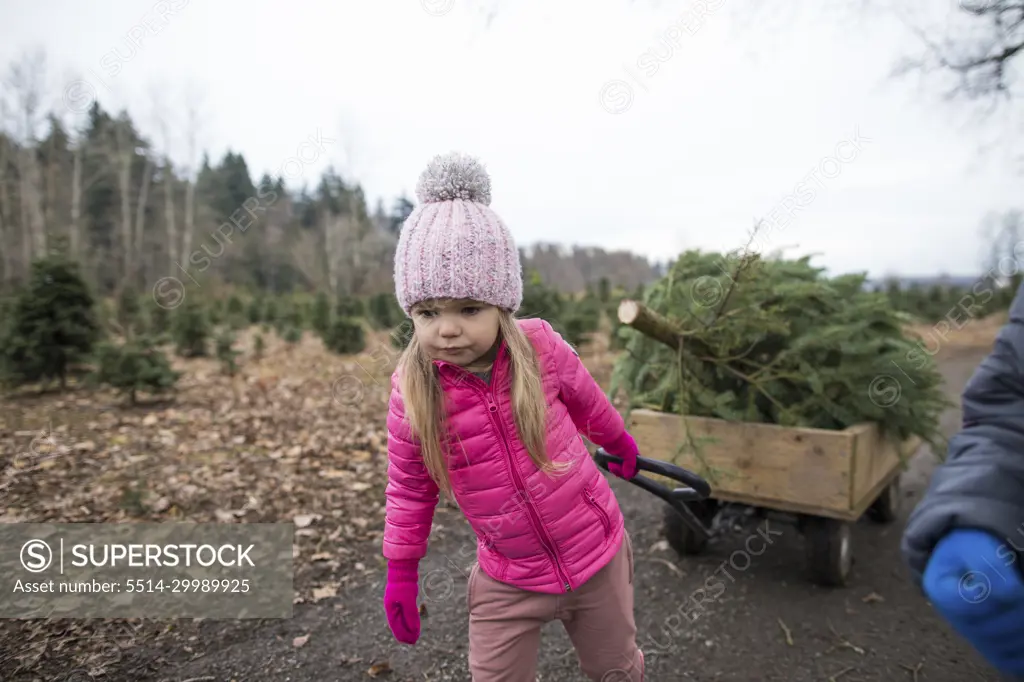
624	447
400	600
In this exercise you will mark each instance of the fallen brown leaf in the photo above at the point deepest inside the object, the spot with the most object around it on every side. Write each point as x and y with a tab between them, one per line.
303	520
325	591
377	669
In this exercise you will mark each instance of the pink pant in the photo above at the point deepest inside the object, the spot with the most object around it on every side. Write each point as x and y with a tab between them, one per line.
505	624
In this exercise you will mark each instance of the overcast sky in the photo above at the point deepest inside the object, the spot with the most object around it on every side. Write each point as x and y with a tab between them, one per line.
786	116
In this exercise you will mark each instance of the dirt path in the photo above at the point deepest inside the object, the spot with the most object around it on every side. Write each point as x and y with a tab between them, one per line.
879	628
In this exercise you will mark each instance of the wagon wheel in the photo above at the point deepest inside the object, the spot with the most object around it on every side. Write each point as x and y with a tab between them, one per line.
680	536
828	550
886	508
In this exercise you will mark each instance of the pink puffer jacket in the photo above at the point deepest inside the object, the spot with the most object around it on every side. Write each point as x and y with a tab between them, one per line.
539	533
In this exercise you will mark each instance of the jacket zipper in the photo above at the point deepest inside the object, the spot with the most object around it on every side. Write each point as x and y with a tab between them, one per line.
502	561
492	409
545	540
600	512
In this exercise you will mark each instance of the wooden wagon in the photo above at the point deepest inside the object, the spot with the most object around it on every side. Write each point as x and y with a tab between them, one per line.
824	480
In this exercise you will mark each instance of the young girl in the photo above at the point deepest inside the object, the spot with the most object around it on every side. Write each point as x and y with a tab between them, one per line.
488	409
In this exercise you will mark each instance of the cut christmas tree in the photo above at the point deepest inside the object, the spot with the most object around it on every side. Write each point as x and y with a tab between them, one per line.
778	342
782	383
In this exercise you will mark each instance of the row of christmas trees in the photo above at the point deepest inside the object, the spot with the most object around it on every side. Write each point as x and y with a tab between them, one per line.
54	329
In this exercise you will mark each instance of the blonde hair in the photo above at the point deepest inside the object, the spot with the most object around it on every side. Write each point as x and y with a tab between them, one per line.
424	401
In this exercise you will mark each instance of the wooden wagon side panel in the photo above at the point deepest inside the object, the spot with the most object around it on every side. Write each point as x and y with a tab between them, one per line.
877	460
759	464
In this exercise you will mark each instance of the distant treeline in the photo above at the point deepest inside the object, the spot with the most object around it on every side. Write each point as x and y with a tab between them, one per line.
130	212
953	302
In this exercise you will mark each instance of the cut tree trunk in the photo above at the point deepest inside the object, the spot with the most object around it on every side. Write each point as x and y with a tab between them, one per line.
649	323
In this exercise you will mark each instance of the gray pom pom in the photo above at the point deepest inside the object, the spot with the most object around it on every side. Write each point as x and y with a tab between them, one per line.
454	176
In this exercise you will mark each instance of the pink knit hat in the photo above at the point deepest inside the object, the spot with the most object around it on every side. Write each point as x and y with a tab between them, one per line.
453	245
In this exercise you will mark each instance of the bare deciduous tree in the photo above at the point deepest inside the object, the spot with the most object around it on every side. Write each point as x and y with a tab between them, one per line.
191	169
124	154
8	233
307	254
26	84
161	114
140	216
981	54
75	228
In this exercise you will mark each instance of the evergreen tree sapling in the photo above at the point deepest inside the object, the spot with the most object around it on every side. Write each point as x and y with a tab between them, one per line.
159	318
226	352
53	324
191	329
345	336
289	318
255	310
129	311
350	306
384	311
321	317
136	365
215	311
257	347
269	311
236	314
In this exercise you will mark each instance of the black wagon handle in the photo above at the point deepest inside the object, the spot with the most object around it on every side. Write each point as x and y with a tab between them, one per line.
696	487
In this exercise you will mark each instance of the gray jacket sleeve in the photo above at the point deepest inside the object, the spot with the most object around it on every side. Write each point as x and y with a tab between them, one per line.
981	483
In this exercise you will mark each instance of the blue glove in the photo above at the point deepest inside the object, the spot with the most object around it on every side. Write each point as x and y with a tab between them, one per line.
974	582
